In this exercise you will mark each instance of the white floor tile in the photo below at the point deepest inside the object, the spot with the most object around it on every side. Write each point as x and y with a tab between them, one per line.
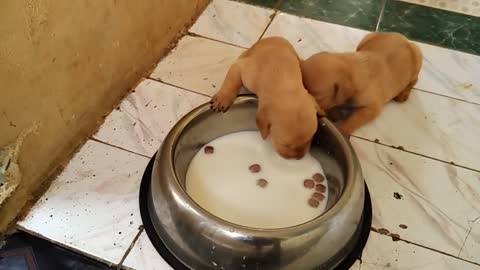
145	117
197	64
431	125
382	253
433	199
446	72
232	22
471	246
144	256
92	206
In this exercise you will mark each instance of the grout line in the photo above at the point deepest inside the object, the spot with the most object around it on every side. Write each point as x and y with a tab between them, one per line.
140	231
277	5
272	17
380	17
118	147
417	154
212	39
445	96
397	238
179	87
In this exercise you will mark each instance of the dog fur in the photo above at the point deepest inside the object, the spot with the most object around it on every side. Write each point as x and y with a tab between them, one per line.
286	111
385	66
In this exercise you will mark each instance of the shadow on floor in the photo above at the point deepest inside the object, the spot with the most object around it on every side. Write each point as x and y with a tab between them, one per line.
26	252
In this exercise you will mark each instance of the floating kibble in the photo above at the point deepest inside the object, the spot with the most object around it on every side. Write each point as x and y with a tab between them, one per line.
320	188
318	177
309	183
262	183
255	168
313	203
318	196
208	149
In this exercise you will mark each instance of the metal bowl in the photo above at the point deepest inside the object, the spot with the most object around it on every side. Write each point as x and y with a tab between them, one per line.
201	240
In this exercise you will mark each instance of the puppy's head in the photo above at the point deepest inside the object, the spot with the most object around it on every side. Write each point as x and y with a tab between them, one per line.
291	125
328	77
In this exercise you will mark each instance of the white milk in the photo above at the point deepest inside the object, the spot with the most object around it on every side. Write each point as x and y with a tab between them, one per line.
222	184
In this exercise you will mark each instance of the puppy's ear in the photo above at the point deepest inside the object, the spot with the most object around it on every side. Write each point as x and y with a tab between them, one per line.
263	122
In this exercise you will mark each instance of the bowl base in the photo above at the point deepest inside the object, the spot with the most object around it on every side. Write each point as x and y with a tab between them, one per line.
354	253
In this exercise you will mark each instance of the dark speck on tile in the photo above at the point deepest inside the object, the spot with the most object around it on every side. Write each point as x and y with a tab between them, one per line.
383	231
395	237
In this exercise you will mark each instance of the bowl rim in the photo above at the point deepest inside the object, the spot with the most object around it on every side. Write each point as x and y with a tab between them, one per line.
175	134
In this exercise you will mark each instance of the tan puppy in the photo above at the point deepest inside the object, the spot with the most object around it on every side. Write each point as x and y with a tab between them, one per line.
385	67
286	111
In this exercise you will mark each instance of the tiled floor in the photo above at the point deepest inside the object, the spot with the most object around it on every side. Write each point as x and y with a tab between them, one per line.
92	206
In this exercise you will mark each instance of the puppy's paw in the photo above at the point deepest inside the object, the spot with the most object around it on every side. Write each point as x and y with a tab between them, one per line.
221	102
402	97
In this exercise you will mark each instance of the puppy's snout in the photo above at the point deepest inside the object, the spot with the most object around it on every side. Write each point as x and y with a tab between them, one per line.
295	154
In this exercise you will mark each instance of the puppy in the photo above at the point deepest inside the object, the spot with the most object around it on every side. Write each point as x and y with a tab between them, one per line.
286	111
385	66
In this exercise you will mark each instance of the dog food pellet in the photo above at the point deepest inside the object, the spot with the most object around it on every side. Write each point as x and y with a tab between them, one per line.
318	177
318	196
208	149
308	183
262	183
255	168
313	203
320	188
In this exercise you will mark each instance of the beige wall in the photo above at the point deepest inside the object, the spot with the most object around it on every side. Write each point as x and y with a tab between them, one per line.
64	65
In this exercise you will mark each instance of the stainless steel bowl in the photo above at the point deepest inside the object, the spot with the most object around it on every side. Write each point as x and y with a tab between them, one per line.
201	240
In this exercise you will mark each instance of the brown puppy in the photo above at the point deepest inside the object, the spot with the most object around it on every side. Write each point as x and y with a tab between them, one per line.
286	111
385	67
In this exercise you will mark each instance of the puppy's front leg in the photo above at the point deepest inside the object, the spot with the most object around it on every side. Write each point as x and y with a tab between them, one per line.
222	100
358	118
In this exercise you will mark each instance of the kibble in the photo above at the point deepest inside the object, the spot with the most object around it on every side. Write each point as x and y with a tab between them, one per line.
318	177
318	196
320	188
309	183
208	149
313	203
262	183
255	168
